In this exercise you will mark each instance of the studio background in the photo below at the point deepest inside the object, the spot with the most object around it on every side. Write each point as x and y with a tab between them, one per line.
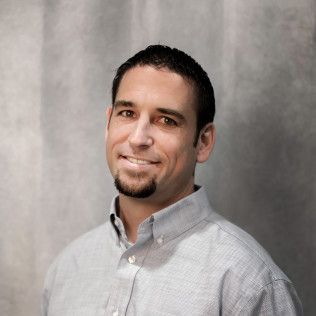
57	61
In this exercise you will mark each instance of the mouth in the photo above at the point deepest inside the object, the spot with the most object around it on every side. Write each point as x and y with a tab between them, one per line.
139	161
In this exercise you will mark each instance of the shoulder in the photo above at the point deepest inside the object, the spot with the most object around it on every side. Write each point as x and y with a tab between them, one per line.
67	263
248	272
80	252
86	243
240	248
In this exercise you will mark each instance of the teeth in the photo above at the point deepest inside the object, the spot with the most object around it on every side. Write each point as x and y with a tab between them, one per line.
138	161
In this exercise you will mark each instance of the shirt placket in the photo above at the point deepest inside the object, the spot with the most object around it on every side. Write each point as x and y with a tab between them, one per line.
129	264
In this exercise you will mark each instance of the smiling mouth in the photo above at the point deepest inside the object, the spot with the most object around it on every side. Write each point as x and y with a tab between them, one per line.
139	161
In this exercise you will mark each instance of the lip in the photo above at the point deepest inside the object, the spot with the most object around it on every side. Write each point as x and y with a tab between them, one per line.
139	160
137	164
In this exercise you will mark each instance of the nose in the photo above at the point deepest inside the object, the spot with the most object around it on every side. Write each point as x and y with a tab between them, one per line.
141	134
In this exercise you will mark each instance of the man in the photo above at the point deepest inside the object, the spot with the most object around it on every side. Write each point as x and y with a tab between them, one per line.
164	250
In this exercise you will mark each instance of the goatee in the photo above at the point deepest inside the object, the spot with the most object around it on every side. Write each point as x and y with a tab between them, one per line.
142	191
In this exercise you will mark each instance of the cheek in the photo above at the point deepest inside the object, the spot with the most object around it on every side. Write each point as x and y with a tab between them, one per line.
112	140
179	151
116	134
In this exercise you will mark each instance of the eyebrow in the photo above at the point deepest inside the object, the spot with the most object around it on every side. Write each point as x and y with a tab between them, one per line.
172	112
123	103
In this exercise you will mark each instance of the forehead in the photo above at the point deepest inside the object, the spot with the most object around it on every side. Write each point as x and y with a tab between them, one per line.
161	86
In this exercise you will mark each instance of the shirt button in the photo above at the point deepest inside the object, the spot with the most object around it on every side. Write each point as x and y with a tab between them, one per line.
132	259
160	240
115	313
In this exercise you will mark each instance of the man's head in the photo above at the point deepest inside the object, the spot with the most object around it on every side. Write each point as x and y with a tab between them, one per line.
152	139
160	56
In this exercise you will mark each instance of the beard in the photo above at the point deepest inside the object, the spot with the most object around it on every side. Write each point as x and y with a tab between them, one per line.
140	190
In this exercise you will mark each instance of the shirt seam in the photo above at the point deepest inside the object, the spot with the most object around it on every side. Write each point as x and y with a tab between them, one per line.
261	289
249	248
183	232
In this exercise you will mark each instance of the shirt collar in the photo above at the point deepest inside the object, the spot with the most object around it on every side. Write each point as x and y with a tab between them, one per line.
118	225
171	221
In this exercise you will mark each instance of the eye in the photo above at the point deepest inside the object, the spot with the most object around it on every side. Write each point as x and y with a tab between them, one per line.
168	121
126	113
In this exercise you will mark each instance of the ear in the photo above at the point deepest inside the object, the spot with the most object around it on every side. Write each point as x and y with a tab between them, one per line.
206	142
108	114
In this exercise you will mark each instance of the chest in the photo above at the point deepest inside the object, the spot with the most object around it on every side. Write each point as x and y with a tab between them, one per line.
167	280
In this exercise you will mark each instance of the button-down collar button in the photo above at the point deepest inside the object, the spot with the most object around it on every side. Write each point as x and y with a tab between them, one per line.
160	240
132	259
115	313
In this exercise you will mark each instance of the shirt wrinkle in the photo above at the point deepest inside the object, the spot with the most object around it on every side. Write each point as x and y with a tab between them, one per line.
260	291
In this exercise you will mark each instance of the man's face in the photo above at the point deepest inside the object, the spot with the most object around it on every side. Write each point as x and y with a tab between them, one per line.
150	135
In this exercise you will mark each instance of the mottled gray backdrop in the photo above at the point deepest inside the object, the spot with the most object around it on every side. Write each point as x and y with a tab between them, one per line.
57	60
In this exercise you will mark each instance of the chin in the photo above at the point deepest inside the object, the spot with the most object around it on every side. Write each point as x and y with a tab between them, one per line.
135	190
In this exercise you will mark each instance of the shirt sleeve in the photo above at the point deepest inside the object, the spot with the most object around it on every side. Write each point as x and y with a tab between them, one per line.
277	298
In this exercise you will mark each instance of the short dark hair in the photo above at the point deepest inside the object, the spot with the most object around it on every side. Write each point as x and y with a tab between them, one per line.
161	56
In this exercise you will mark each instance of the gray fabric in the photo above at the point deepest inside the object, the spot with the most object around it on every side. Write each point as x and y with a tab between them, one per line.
187	260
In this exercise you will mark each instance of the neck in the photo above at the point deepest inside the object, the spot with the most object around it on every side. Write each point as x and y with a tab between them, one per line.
134	211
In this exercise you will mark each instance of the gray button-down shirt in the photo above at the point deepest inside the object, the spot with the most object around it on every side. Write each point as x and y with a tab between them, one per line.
187	260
